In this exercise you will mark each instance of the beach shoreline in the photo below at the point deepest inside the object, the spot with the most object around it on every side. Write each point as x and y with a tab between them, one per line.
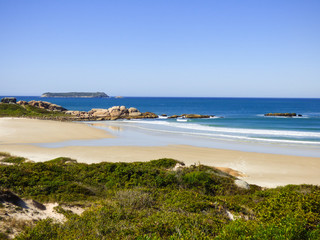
28	131
18	137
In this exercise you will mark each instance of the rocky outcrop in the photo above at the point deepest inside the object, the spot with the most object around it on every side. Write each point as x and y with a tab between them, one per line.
190	116
95	114
99	112
149	115
133	112
112	113
23	103
174	116
195	116
43	105
242	184
8	196
282	115
9	100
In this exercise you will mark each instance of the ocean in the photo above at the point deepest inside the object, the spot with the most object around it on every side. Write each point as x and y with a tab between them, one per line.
239	120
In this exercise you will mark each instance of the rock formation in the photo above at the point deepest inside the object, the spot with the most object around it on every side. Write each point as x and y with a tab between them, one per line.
112	113
242	184
190	116
43	105
282	115
8	100
195	116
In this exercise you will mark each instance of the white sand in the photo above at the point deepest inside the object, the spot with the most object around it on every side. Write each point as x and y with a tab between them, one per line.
17	131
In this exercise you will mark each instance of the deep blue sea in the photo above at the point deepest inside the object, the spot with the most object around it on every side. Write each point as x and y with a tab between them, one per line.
239	119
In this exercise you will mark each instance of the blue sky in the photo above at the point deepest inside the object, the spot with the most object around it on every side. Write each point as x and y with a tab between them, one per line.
161	48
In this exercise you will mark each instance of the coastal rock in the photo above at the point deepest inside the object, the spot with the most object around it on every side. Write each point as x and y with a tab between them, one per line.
22	103
9	100
76	113
174	116
195	116
149	115
190	116
95	114
282	115
115	112
55	107
44	105
133	112
101	113
242	184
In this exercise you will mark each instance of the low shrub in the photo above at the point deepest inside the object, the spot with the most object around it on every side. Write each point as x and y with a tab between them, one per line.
152	200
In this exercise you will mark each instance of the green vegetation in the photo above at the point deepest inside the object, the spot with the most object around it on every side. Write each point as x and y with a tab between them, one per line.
7	158
15	110
151	200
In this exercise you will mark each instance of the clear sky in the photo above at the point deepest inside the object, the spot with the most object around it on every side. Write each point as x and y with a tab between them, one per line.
213	48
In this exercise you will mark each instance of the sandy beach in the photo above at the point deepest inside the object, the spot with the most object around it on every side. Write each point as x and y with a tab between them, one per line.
17	136
24	131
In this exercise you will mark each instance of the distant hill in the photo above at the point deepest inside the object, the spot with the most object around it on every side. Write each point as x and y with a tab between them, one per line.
76	94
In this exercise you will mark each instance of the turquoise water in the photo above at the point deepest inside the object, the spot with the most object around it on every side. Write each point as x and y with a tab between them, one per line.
241	118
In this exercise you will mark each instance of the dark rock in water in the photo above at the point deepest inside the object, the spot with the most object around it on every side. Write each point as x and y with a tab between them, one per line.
174	116
281	115
149	115
9	100
195	116
190	116
163	115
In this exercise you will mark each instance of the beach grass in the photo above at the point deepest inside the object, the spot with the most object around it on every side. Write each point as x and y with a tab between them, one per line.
15	110
158	200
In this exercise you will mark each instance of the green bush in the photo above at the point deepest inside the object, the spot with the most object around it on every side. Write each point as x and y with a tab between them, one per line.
16	110
11	159
151	200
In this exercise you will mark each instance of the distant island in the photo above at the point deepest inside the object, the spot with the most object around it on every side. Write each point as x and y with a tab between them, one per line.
76	95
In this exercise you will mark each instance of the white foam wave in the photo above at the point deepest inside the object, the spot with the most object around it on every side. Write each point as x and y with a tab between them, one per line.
244	131
230	137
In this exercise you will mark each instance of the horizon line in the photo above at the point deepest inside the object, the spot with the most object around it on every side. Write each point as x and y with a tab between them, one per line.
8	95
